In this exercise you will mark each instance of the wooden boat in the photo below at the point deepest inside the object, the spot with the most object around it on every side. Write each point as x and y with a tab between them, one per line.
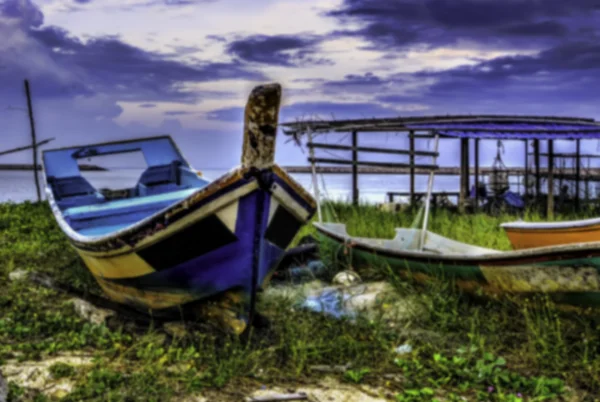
523	235
569	274
177	238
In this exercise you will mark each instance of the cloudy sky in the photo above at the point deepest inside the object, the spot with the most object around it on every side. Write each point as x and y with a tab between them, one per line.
110	69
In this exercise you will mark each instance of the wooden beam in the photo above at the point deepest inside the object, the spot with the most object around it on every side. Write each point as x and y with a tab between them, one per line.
411	137
592	174
33	141
39	144
577	172
550	211
371	149
568	155
369	163
536	161
476	174
464	172
526	174
421	193
354	168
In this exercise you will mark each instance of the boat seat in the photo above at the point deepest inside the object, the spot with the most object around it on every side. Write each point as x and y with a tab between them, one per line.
160	179
136	207
73	190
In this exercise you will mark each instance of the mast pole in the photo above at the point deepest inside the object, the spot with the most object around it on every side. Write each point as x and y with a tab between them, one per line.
34	144
427	199
314	174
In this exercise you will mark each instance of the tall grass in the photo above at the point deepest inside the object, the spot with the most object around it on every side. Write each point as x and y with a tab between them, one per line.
479	350
368	220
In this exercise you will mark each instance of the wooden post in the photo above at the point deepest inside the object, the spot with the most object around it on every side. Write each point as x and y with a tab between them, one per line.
577	173
411	137
526	169
536	160
428	199
354	168
587	183
550	212
313	168
33	141
476	174
464	173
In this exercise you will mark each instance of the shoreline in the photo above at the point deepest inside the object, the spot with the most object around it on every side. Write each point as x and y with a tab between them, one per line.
590	174
29	167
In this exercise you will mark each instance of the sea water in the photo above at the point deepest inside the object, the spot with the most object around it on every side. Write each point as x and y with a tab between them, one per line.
19	185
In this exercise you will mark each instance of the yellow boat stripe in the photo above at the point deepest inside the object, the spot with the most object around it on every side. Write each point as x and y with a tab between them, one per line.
123	266
272	208
184	222
542	278
150	299
229	215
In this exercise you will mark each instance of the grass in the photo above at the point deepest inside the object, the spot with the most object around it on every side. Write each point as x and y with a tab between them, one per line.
496	351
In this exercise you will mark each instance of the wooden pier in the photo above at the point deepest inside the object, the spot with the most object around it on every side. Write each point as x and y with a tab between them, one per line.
568	173
469	131
29	166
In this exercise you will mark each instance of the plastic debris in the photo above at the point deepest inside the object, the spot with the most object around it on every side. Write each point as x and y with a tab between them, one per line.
18	275
403	349
307	272
348	301
346	278
301	396
3	389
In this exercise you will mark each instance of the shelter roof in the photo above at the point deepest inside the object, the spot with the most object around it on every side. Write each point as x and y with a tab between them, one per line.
462	126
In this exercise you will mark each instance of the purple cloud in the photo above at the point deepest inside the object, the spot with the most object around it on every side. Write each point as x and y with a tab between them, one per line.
324	110
23	10
559	80
282	50
76	86
177	113
103	65
433	23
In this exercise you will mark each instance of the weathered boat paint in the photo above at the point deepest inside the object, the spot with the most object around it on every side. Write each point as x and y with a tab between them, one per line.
569	274
221	242
524	235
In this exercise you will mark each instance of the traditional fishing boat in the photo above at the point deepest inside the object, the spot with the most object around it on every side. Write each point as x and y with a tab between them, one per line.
176	238
569	274
524	235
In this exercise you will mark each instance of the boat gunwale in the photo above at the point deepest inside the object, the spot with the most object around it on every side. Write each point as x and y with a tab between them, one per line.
119	142
95	240
500	258
224	181
541	226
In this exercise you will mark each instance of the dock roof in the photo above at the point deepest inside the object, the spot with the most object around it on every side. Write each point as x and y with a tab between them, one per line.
461	126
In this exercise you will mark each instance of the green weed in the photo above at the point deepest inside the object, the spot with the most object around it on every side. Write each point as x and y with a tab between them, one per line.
457	340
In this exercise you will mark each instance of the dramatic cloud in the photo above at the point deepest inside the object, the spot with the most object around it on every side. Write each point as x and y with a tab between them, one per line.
435	23
175	3
281	50
110	65
559	80
98	77
105	65
367	83
312	110
177	113
78	85
23	11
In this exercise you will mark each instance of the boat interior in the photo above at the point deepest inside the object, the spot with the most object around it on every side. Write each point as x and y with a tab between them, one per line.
407	239
168	179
